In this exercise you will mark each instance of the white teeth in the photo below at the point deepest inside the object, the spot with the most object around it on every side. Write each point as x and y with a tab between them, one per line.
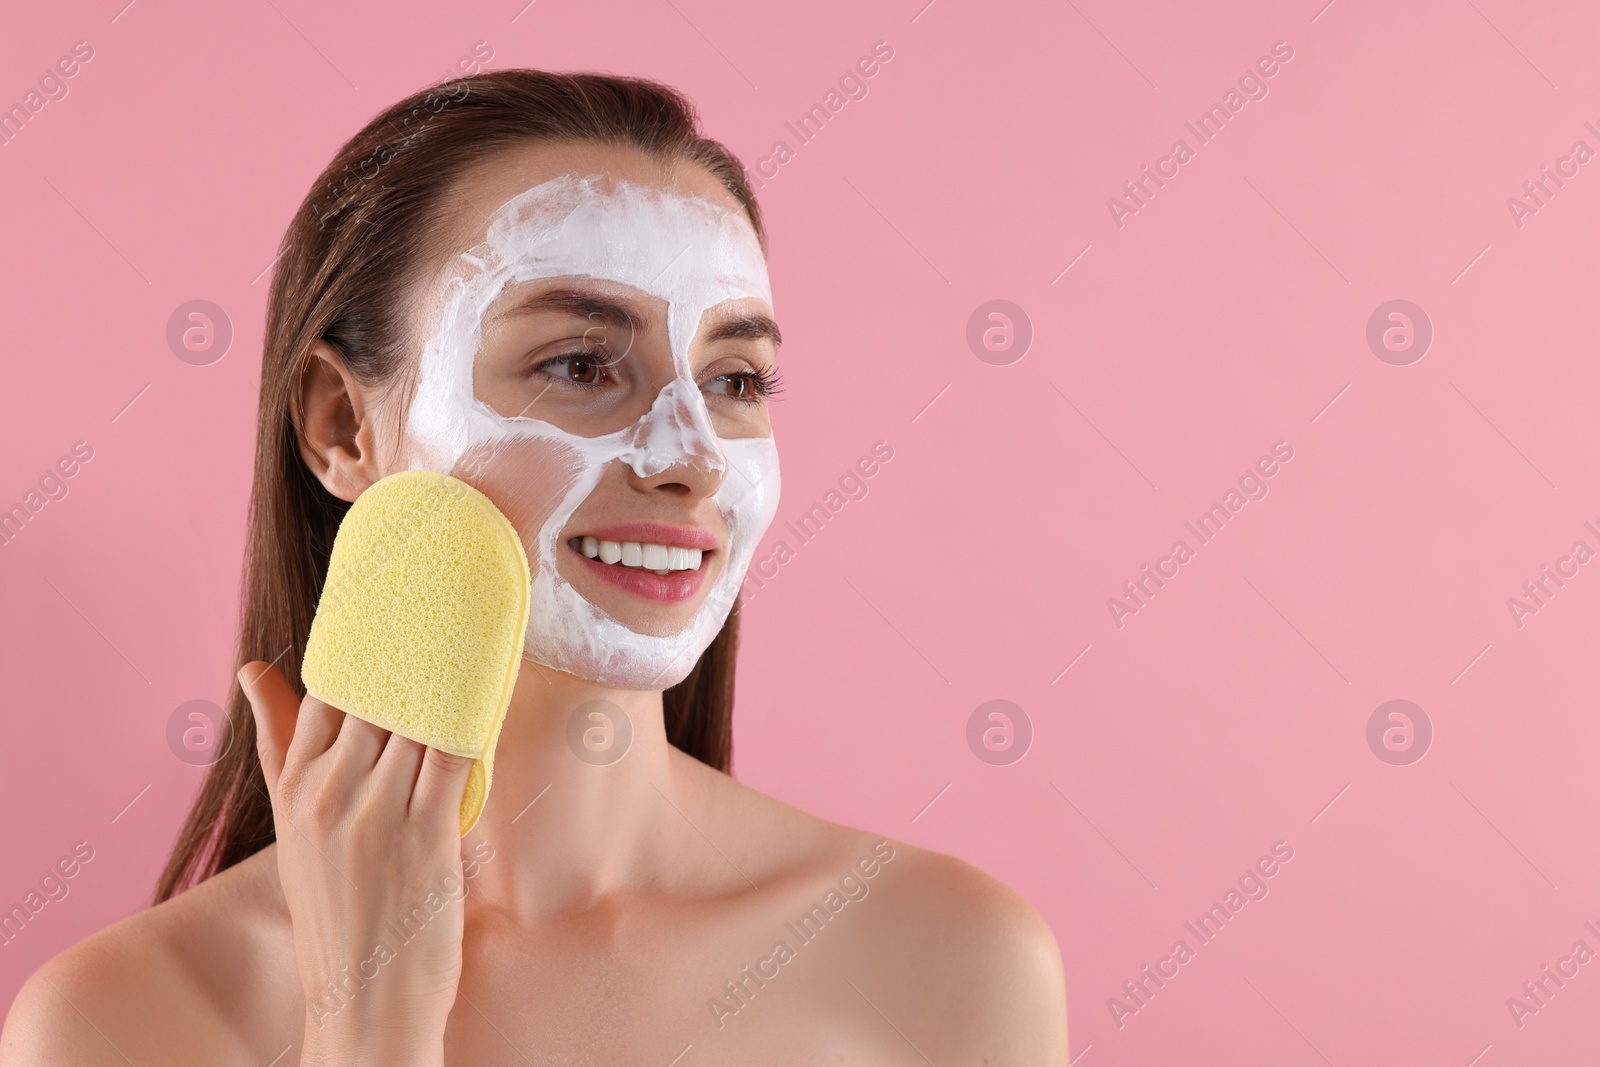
659	559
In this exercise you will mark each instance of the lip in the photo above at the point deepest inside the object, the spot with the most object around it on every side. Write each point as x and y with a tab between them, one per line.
655	533
673	587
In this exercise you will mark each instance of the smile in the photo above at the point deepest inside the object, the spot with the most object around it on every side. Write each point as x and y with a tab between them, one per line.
657	559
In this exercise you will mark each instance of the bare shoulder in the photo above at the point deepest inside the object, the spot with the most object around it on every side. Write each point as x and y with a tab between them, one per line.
156	986
964	939
974	913
932	937
968	907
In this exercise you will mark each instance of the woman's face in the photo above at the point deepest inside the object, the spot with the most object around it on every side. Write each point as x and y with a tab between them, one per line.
596	353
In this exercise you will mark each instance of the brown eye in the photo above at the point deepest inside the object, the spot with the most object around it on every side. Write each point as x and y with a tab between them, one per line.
582	369
747	387
588	366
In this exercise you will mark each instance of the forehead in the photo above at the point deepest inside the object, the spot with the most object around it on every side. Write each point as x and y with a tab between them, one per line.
487	187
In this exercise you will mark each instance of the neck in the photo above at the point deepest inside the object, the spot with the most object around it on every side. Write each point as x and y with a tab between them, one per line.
568	818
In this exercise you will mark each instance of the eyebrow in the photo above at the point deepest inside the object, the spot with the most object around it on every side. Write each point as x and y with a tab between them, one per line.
753	326
582	304
615	313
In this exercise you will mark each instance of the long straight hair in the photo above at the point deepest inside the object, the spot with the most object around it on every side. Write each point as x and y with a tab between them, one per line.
363	234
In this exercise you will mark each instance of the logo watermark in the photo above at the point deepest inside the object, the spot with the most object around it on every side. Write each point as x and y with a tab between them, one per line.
51	88
999	332
199	733
1537	994
1537	592
402	931
52	889
851	85
199	332
1252	85
1399	332
1538	192
1138	992
599	732
1399	732
738	992
1252	485
850	486
999	732
52	486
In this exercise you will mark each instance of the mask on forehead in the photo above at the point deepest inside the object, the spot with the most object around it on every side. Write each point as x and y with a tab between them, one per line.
692	253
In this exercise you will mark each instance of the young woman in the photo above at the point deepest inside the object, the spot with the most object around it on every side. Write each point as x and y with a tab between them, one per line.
554	288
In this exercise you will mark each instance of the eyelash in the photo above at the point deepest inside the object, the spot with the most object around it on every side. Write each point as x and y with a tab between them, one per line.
765	383
600	355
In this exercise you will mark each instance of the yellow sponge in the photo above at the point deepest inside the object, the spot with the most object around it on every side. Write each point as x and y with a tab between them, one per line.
420	626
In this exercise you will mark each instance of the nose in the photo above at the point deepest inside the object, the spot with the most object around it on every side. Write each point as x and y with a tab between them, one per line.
689	480
675	437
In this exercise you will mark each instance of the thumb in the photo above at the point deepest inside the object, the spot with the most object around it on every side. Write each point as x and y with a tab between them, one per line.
275	707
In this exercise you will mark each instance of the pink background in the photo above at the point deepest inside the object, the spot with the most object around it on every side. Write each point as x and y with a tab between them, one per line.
1224	316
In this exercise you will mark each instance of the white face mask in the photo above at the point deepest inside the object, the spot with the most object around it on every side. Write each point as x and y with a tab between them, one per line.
692	253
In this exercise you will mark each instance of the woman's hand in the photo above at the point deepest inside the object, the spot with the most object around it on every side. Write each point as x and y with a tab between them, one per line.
368	827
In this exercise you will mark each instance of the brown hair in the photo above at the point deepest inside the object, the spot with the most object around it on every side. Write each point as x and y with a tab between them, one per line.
358	241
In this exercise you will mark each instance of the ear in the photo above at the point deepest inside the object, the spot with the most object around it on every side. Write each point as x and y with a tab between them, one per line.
337	428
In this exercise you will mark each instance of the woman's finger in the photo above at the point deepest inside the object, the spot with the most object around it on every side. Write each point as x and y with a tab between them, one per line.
395	776
316	731
275	708
358	745
441	783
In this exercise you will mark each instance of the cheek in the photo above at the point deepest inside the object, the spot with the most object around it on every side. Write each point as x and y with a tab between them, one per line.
526	479
733	420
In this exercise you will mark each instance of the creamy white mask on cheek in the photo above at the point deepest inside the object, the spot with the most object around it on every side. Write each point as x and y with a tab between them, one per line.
690	252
